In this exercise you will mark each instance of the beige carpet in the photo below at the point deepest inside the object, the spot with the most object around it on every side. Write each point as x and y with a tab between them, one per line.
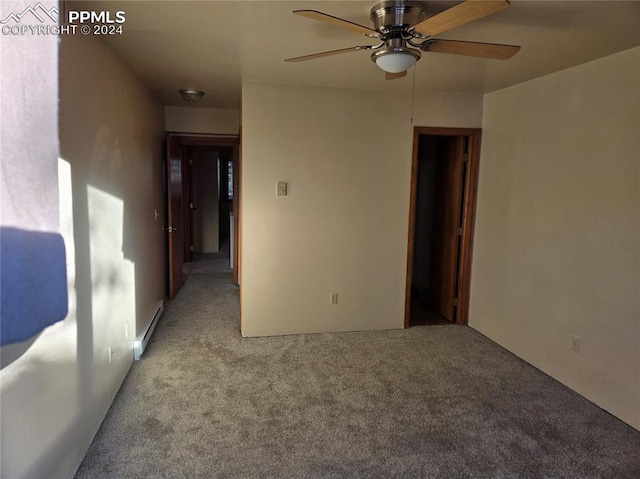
428	402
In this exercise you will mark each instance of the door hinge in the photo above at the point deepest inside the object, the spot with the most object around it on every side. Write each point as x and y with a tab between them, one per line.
191	206
459	230
466	157
191	161
191	248
455	301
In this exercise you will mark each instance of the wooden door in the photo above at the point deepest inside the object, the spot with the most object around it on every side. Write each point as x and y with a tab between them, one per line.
174	228
446	223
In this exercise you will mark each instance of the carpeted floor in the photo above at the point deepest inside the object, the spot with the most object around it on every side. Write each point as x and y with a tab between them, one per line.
428	402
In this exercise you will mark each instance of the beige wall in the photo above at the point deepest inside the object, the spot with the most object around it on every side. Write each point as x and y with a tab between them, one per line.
557	230
27	61
346	156
56	395
202	120
204	192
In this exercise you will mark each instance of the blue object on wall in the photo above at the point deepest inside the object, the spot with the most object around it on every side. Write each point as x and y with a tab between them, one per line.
33	283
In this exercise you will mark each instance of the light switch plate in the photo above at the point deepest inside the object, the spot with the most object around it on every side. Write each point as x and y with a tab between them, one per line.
282	188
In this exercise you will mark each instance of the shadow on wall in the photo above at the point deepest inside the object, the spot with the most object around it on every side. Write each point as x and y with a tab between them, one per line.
33	284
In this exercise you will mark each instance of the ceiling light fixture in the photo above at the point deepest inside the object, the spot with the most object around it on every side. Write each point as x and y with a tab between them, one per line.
191	96
395	57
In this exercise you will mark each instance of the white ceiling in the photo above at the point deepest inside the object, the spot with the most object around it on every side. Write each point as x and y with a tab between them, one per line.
214	45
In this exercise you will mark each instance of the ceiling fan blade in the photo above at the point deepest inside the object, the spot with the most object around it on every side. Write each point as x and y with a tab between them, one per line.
458	15
326	54
323	17
472	49
393	76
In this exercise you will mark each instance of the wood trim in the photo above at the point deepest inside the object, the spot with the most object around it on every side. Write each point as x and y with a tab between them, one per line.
236	164
468	227
207	140
468	216
237	209
412	227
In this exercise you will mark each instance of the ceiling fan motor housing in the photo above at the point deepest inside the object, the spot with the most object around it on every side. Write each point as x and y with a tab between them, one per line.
393	19
394	16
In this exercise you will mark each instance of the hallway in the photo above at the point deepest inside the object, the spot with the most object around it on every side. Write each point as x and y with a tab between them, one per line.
436	401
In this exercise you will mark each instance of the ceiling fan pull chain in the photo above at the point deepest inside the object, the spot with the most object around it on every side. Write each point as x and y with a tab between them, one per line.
413	91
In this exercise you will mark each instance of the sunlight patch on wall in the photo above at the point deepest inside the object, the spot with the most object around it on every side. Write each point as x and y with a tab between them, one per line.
112	279
65	198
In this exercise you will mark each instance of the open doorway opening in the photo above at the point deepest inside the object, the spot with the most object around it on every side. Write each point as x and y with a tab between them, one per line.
202	195
443	196
209	200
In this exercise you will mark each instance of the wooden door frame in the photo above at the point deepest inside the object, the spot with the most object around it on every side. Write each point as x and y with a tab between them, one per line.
470	188
232	141
187	212
237	205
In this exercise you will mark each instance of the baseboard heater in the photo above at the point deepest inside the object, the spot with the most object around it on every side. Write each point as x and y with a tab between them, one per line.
145	334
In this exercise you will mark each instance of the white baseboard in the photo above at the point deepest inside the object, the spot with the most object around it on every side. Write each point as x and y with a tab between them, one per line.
145	334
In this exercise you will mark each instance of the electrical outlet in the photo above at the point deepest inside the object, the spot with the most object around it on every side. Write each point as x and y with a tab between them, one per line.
281	188
575	344
333	298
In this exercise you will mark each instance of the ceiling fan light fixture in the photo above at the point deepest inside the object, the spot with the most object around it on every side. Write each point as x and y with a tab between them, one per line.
395	59
191	96
395	62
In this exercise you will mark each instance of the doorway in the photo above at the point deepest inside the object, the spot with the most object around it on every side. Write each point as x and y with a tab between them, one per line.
208	194
442	211
212	200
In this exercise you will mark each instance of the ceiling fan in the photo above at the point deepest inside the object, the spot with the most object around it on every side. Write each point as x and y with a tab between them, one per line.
401	25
